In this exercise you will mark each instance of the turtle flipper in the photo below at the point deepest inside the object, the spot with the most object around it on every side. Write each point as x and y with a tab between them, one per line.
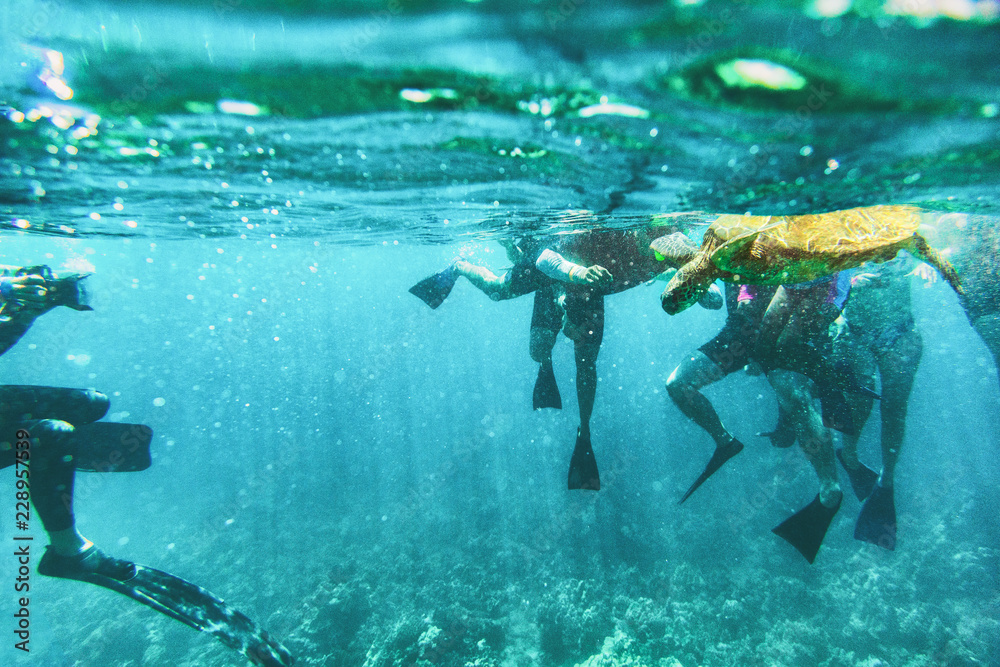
921	249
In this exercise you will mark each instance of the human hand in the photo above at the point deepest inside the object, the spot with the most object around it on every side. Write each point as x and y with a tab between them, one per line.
925	272
25	291
596	275
862	279
838	328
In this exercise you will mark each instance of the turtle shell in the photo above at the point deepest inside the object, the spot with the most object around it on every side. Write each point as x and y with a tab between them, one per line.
788	249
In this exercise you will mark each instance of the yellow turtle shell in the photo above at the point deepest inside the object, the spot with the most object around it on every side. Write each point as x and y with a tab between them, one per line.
791	249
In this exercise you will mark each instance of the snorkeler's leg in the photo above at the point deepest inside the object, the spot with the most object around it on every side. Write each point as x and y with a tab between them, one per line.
795	396
546	320
76	406
51	457
806	528
898	367
772	325
482	278
586	381
585	326
695	372
856	356
692	374
988	328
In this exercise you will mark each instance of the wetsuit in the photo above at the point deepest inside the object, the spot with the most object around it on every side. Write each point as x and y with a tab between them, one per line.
47	415
732	347
626	254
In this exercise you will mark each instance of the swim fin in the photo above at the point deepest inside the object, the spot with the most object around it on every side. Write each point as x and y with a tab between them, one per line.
806	529
112	447
719	457
435	289
583	472
198	608
877	521
863	478
546	394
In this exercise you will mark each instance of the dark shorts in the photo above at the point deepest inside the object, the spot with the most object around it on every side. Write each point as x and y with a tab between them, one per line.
730	349
584	316
584	311
546	313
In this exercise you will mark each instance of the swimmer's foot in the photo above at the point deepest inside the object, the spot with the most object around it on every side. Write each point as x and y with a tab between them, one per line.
583	473
546	393
719	457
435	289
806	529
877	521
88	562
863	478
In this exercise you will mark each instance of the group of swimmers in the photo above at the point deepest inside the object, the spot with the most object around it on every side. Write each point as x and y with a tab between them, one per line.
820	342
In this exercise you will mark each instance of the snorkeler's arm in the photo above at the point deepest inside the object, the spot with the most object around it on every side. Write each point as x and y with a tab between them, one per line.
23	299
557	267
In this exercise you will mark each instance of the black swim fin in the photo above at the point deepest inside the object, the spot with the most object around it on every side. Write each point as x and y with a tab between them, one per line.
546	394
435	289
806	529
583	472
198	608
877	521
719	457
111	447
863	478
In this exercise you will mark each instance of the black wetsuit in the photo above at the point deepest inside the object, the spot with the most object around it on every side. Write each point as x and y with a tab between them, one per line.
47	416
732	347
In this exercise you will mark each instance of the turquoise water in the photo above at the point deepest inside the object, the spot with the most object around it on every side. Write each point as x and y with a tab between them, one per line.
255	191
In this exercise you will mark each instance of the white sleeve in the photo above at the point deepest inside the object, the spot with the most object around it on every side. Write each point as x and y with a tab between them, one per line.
557	267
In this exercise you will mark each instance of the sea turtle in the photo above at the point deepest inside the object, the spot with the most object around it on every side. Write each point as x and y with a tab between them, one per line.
776	250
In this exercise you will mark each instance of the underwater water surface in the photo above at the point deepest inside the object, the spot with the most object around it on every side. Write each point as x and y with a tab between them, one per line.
255	186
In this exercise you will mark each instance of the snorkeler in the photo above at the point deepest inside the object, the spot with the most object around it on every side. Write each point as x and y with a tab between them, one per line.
41	420
726	353
48	433
794	348
878	331
570	282
781	331
524	277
